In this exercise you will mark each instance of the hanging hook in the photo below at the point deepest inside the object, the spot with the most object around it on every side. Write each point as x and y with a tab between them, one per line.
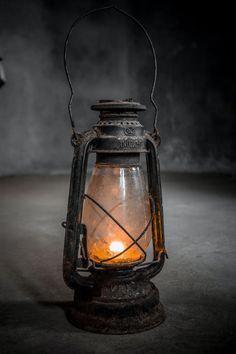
78	19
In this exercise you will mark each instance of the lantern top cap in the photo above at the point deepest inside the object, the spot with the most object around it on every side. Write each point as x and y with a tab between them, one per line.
118	105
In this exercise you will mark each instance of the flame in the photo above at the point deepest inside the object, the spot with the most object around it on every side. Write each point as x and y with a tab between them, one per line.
116	246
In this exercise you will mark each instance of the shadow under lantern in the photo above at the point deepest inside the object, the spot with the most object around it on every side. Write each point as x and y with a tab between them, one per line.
112	222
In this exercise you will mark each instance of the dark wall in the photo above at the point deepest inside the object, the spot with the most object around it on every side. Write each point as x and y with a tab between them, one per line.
109	58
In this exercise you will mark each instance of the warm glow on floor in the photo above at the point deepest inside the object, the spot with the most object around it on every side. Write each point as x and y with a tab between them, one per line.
116	246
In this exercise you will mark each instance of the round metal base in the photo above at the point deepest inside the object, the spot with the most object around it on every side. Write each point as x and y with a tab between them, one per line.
117	306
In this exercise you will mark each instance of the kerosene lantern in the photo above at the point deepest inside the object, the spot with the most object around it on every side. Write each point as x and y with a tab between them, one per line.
114	217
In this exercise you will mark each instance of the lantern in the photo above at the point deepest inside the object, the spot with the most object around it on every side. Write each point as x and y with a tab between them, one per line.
114	218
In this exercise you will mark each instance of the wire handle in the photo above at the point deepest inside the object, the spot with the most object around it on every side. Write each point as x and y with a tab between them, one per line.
78	19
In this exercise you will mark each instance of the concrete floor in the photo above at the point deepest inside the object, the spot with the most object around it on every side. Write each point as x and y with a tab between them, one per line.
197	284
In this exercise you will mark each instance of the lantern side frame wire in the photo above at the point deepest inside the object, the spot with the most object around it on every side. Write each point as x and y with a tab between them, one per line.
135	241
82	145
115	220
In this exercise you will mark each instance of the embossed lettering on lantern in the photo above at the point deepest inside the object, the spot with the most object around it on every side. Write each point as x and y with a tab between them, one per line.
121	191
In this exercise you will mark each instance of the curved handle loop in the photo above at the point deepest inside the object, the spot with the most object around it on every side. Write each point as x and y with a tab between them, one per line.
78	19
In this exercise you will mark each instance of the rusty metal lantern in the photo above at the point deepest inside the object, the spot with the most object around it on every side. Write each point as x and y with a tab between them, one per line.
111	222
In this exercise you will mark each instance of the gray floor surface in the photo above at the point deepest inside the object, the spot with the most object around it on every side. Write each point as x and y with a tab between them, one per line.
197	285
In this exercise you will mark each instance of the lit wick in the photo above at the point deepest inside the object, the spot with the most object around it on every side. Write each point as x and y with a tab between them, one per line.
116	246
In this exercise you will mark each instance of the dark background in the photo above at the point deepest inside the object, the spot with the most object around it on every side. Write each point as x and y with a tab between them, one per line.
110	58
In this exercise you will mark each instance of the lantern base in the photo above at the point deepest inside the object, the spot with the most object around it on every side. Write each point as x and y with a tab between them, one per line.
117	305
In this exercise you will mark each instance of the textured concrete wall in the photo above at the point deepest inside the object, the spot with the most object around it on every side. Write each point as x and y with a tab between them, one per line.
109	58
